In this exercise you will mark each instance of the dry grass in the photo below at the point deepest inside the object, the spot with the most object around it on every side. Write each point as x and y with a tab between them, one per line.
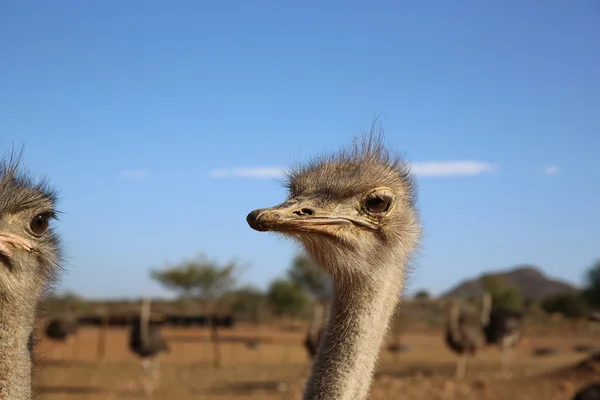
277	368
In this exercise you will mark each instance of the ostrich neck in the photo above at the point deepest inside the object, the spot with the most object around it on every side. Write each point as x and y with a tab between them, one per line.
16	325
358	322
454	321
486	309
145	320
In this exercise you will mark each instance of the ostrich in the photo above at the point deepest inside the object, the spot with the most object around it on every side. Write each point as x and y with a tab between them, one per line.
61	328
589	392
463	336
354	213
30	256
146	341
501	327
594	316
315	331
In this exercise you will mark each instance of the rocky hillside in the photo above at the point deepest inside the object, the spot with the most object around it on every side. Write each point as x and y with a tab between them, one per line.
530	280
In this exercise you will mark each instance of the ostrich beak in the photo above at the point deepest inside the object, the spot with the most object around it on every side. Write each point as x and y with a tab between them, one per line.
16	241
298	215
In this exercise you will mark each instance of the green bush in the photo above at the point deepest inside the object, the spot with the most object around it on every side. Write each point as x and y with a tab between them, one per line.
571	305
592	290
502	294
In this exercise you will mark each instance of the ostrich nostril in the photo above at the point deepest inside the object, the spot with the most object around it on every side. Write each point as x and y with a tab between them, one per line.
303	212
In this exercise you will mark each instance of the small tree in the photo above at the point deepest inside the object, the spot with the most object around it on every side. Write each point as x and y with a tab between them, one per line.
571	305
422	295
182	278
205	279
200	277
285	297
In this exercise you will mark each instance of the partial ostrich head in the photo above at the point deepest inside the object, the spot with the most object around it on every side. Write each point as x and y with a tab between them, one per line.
30	254
354	212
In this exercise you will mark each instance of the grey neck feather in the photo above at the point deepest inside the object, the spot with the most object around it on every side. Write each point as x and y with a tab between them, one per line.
16	325
358	321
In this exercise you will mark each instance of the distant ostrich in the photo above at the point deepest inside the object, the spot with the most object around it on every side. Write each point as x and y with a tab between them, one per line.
594	316
589	392
62	329
463	336
355	214
30	255
501	327
315	331
146	341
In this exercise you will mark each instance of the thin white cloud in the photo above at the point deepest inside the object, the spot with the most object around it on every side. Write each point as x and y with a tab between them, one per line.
247	172
551	170
453	168
427	168
133	174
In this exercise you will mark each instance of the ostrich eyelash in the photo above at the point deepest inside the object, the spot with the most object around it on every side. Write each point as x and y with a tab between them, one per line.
51	214
378	197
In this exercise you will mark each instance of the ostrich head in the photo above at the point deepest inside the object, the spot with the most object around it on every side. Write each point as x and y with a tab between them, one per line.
349	210
29	249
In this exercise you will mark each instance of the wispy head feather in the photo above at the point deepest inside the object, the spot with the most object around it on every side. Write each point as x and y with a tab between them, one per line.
18	190
364	164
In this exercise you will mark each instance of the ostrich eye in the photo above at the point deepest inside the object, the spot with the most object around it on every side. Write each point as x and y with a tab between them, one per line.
377	205
39	223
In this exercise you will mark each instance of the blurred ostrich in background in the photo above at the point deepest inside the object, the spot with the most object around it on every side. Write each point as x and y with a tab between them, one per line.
463	335
146	341
501	327
589	392
63	329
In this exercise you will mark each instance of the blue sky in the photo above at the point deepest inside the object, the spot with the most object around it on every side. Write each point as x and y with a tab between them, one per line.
145	114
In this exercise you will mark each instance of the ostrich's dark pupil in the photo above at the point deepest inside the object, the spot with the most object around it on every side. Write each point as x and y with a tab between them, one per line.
377	205
39	224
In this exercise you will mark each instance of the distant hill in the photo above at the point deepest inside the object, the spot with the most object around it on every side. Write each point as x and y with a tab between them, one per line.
534	285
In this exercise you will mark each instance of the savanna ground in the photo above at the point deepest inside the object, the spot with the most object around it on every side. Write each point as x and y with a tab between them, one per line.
277	367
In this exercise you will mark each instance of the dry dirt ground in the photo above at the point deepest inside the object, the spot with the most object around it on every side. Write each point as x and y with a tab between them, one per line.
276	368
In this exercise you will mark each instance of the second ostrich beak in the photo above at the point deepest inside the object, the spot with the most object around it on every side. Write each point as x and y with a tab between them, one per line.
10	239
300	215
